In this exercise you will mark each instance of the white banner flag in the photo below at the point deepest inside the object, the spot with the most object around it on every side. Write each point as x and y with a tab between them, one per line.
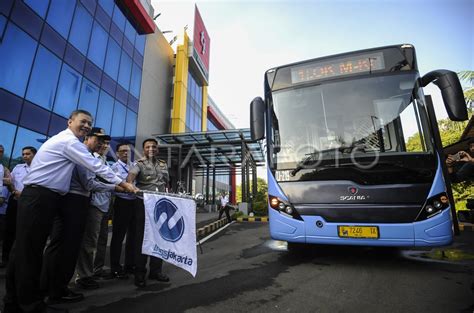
170	230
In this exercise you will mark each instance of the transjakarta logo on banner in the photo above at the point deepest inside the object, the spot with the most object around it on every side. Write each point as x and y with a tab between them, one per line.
170	230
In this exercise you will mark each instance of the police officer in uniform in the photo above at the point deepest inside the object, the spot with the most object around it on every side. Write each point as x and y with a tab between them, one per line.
151	174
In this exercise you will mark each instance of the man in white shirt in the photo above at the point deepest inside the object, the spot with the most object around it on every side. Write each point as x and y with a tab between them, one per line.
224	207
18	174
48	180
62	253
123	221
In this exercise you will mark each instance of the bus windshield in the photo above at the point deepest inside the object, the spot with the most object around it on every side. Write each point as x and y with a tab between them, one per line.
376	115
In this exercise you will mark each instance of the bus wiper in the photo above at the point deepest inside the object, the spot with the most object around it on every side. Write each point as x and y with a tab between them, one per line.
314	157
340	163
324	167
308	160
349	149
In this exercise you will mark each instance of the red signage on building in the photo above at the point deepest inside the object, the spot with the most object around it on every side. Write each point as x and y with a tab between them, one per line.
138	15
202	42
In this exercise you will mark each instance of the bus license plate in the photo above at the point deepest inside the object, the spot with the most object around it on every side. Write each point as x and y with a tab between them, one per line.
371	232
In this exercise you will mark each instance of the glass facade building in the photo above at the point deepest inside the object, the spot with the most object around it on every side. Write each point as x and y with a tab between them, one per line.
60	55
193	105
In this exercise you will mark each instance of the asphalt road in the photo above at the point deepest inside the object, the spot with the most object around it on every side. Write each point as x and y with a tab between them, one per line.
242	270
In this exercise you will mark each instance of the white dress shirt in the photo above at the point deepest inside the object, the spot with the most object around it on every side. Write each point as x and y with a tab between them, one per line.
121	168
52	166
224	200
18	174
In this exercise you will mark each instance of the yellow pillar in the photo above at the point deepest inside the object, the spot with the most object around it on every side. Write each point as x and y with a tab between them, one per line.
178	112
204	108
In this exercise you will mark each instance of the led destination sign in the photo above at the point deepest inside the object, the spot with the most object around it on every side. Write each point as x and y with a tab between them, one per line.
359	64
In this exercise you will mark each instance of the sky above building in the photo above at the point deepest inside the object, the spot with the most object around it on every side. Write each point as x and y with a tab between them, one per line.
250	37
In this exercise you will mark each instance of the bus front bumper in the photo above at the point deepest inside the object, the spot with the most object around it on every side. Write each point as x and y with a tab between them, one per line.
436	231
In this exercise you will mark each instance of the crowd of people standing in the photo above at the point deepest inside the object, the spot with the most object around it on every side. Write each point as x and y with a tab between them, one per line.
63	192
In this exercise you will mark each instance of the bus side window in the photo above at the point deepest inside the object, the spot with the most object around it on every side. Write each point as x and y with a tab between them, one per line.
412	134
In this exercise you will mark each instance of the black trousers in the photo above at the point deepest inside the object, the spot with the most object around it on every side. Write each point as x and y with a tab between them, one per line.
60	257
156	264
10	228
37	208
124	222
227	214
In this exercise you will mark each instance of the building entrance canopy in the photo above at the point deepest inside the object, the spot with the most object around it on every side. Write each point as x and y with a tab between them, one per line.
215	152
219	149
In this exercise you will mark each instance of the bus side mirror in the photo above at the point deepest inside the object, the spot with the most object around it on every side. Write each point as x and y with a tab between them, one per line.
451	90
257	120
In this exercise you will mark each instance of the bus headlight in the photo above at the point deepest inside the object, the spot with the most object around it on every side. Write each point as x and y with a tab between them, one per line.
274	202
429	209
433	206
283	206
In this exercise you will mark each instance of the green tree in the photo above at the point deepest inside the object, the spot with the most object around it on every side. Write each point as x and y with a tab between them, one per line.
260	199
462	191
413	143
238	193
468	76
450	132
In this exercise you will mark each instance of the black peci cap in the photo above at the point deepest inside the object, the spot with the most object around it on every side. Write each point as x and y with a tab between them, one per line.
98	132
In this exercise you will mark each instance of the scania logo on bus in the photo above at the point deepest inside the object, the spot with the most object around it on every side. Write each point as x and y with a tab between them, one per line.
353	190
353	195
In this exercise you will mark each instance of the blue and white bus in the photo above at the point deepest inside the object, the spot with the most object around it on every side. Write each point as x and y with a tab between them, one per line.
353	150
